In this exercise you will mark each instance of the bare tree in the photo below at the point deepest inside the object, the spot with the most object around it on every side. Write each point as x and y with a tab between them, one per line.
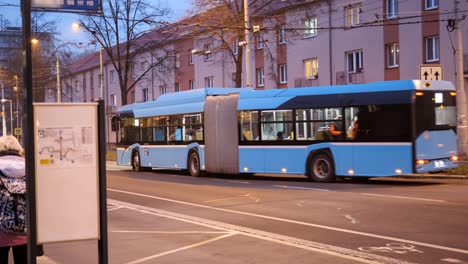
124	30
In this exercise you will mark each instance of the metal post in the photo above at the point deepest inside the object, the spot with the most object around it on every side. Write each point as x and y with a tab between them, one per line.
247	46
11	116
461	100
17	102
28	125
101	76
59	90
4	129
103	241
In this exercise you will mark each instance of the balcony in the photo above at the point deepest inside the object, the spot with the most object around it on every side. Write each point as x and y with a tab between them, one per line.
304	82
343	77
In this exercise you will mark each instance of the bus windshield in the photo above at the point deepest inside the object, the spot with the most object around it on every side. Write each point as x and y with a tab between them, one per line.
435	110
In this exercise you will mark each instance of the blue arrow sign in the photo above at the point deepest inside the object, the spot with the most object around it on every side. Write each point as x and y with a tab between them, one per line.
67	5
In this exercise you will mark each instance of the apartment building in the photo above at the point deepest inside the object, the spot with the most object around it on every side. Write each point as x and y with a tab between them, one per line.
298	44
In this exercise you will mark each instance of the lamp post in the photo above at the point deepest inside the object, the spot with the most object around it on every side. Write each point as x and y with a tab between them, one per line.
77	27
16	89
11	114
3	111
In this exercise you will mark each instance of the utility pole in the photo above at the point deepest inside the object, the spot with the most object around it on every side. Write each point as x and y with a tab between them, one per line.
248	82
101	76
461	95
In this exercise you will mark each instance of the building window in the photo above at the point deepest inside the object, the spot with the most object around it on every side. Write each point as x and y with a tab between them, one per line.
310	26
208	52
177	60
144	66
162	89
162	63
235	46
209	82
190	85
282	36
77	86
354	61
393	54
260	77
431	4
352	15
259	41
113	99
432	49
311	68
132	96
283	73
392	8
177	87
190	60
145	93
113	76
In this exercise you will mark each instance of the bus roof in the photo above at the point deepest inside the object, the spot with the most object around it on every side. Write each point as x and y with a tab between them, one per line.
193	101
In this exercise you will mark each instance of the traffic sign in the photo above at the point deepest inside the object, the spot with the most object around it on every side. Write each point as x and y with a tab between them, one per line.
18	131
430	72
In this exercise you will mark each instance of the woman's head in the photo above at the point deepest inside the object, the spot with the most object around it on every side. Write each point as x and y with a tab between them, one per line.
10	144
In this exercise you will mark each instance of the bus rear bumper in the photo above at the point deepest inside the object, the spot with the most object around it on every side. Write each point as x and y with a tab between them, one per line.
436	165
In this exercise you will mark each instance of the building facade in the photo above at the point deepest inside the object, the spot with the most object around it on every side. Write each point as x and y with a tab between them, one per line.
307	43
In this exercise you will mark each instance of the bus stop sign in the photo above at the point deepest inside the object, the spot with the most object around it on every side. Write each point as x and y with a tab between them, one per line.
430	72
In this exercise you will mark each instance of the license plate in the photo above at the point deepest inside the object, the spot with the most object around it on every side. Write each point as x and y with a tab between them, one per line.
440	164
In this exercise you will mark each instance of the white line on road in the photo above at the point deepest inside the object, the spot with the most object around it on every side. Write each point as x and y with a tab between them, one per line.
451	260
180	249
169	232
463	251
301	188
267	236
404	197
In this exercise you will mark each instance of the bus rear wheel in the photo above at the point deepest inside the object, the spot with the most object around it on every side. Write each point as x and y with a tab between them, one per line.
194	164
321	169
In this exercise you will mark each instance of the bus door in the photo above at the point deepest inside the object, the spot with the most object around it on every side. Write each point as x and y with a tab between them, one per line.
221	134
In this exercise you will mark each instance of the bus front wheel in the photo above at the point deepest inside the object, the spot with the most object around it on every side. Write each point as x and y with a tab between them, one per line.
321	169
194	164
136	162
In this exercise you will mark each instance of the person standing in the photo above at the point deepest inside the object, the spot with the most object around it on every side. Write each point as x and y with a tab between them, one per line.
12	166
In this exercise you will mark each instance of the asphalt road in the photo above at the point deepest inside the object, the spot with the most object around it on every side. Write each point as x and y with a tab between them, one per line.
165	217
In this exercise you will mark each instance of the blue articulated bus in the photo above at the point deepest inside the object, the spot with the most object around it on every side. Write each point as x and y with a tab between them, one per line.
362	130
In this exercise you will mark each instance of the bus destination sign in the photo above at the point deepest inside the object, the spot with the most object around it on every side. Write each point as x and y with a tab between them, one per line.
78	6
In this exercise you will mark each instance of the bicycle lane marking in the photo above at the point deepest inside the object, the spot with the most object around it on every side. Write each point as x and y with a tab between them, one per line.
458	250
335	251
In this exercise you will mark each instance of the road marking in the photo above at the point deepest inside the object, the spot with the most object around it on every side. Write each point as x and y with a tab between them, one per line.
451	260
353	220
405	197
267	236
170	232
397	248
463	251
301	188
300	203
180	249
242	182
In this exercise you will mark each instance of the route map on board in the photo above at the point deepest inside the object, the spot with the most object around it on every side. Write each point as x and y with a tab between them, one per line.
66	147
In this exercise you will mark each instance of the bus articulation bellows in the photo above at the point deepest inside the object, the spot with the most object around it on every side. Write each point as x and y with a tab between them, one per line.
361	130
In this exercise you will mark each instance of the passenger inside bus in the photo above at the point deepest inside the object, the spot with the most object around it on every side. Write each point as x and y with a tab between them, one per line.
279	135
352	129
335	128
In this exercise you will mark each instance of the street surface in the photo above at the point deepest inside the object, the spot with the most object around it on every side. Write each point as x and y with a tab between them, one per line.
167	217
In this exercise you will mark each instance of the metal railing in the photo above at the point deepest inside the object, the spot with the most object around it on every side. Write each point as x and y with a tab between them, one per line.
303	82
343	77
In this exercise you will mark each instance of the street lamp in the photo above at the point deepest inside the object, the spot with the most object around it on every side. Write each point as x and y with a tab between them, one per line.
11	115
77	27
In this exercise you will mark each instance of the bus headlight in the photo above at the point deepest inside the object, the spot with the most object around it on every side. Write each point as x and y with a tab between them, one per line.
422	162
454	158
